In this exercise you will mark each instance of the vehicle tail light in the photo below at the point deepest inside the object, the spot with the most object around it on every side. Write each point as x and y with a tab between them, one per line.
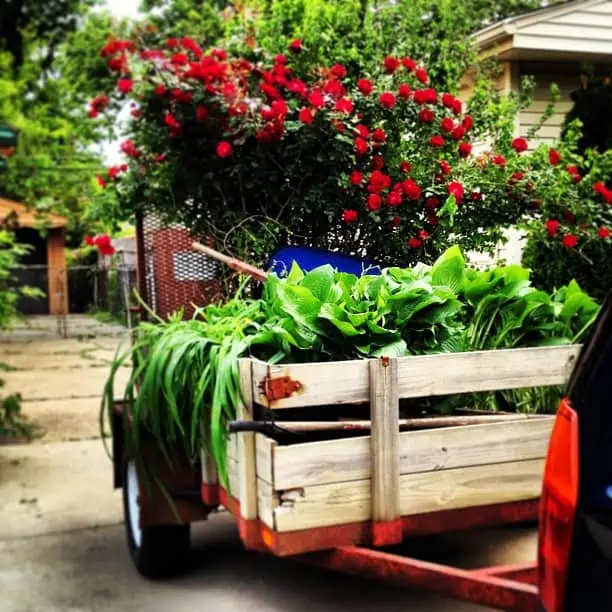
558	508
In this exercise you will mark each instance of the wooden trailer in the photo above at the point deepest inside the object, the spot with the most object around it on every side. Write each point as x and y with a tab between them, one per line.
323	501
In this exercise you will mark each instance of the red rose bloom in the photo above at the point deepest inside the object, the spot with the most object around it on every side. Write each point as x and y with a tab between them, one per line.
89	241
374	202
350	216
423	234
603	232
448	100
404	91
476	196
387	99
171	121
356	178
554	157
344	105
426	115
516	177
280	59
130	149
421	75
316	98
100	180
574	172
179	59
411	189
224	149
378	182
408	63
379	135
458	132
361	146
464	148
552	227
338	70
297	87
92	113
445	167
296	46
396	221
520	145
192	45
499	160
362	130
570	241
436	141
305	115
394	198
391	64
405	167
172	43
365	86
431	203
415	243
161	90
603	191
455	189
468	122
447	124
125	85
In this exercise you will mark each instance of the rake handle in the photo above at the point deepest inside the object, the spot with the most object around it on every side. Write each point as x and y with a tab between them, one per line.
232	262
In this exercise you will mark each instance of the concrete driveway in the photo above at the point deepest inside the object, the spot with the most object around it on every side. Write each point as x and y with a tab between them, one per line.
62	543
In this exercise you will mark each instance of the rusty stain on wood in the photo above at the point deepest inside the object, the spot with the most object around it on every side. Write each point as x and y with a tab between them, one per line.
279	388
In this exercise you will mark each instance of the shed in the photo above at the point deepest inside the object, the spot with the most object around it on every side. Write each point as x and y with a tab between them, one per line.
44	266
551	44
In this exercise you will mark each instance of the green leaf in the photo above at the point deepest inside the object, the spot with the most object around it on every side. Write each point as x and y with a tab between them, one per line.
319	282
449	270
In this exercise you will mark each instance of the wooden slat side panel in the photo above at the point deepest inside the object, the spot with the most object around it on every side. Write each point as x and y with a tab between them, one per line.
317	463
350	502
434	375
264	453
347	382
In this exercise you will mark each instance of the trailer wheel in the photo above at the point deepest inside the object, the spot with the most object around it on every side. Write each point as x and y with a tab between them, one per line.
157	552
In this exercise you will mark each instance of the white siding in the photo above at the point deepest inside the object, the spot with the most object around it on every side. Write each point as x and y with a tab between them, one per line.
584	28
567	79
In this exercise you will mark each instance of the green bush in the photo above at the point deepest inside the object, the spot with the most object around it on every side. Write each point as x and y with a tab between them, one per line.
553	265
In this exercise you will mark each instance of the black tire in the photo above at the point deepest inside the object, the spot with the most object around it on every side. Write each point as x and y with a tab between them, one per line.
161	551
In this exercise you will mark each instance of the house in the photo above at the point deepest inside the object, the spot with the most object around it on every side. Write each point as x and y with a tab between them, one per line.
552	45
44	266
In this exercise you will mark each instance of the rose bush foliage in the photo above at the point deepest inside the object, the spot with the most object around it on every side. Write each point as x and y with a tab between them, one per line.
250	154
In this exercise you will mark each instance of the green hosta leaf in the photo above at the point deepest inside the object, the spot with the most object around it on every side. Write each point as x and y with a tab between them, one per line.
319	282
299	303
449	270
395	349
337	317
295	274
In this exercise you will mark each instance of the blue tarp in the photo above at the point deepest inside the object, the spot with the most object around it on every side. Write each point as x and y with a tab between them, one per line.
309	258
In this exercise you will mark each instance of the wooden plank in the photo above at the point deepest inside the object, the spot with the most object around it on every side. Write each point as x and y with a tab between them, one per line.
267	502
265	449
322	383
56	276
246	446
209	469
384	410
351	502
317	463
433	375
346	382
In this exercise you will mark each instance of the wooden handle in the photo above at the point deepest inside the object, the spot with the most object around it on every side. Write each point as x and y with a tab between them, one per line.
232	262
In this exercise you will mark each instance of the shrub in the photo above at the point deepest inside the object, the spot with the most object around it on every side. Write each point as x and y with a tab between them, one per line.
244	151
